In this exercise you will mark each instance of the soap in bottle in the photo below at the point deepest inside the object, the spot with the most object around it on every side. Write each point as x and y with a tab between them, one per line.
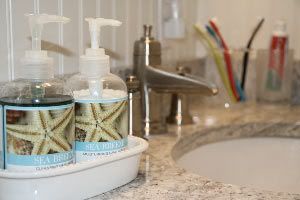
38	110
101	118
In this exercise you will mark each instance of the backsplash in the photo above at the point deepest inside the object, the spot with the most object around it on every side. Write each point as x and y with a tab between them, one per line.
66	43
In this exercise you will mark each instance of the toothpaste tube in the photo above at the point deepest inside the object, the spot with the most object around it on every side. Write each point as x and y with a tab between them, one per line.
277	57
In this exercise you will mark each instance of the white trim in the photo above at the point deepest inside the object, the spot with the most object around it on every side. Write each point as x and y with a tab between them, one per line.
98	8
60	38
36	6
159	20
10	41
139	18
80	27
114	33
127	30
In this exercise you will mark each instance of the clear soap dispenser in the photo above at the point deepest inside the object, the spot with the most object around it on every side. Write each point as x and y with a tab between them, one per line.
101	101
38	110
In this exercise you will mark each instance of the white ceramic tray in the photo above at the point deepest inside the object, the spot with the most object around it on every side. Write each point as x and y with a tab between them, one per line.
77	181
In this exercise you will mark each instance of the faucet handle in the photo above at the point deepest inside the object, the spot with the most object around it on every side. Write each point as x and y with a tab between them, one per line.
183	70
132	83
147	30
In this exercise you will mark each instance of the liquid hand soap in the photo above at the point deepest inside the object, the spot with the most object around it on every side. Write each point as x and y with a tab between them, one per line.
101	101
38	110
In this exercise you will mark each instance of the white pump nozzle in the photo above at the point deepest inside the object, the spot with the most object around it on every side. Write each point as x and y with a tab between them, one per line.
95	62
38	64
36	22
95	24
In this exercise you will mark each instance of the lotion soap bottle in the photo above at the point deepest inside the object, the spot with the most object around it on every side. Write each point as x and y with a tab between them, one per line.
101	113
38	110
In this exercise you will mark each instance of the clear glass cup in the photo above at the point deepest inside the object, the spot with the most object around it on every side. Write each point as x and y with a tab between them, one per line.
269	88
212	73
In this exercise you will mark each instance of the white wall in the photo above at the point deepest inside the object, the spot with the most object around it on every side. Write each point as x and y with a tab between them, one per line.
237	19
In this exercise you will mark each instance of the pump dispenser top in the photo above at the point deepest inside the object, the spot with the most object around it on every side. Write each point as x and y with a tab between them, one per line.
36	61
94	82
95	62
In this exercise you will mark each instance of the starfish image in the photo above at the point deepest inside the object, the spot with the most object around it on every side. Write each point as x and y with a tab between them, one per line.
99	123
45	133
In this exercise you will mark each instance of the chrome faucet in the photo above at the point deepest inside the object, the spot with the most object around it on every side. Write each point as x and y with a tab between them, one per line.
154	81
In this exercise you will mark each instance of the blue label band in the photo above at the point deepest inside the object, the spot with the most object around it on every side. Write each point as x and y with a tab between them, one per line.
101	146
1	160
113	100
39	160
1	139
38	108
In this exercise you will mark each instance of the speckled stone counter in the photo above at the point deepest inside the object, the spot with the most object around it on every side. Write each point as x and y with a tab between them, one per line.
159	176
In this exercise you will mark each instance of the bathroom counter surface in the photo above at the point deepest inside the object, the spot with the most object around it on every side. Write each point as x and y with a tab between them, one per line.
160	178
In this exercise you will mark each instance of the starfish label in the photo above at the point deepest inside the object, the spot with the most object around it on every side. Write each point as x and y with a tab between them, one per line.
101	128
38	138
1	139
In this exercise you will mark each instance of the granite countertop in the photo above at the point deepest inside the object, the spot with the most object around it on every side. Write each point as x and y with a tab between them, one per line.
160	178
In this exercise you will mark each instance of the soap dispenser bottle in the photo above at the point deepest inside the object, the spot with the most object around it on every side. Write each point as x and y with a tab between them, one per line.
101	118
38	110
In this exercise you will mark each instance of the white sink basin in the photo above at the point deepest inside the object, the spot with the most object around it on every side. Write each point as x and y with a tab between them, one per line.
262	163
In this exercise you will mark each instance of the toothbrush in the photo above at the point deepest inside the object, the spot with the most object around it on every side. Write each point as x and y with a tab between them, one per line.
217	40
218	60
213	35
246	55
227	58
239	89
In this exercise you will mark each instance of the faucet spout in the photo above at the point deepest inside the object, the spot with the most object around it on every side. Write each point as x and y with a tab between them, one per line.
155	81
163	81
